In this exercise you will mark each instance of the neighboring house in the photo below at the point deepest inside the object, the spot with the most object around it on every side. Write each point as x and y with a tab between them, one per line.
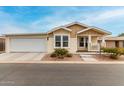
113	42
2	44
74	37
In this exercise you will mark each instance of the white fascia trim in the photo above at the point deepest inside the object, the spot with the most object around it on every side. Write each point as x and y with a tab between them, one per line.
107	32
61	27
83	30
100	30
76	23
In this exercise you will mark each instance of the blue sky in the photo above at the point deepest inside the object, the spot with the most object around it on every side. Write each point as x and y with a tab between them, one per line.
42	19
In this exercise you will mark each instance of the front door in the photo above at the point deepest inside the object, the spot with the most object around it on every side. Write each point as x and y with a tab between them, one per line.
83	42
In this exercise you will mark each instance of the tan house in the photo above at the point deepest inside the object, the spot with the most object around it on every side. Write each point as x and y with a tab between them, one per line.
74	37
113	42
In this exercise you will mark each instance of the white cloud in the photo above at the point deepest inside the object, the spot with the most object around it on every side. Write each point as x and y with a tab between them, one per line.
58	17
105	16
8	24
61	17
8	28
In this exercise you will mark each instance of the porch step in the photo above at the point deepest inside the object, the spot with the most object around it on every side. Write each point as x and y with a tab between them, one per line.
88	53
82	50
88	58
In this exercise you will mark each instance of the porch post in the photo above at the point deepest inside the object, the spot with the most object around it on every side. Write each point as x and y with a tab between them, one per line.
89	38
103	42
89	42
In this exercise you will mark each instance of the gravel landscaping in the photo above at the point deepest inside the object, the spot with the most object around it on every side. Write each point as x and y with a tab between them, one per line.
73	58
107	58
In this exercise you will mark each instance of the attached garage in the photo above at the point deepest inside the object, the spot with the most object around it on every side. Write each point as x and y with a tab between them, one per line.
26	43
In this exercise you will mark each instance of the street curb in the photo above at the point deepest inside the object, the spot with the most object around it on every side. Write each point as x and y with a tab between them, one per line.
65	62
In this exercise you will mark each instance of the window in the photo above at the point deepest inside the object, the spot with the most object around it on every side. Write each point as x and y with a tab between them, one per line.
65	41
58	41
82	42
61	41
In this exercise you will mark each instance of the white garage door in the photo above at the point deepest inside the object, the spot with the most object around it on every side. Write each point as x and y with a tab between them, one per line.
28	45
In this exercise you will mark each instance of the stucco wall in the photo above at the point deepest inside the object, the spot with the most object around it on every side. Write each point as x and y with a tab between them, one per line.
110	44
50	44
121	44
94	39
73	45
7	45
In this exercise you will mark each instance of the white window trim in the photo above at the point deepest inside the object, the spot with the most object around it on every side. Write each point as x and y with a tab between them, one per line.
62	40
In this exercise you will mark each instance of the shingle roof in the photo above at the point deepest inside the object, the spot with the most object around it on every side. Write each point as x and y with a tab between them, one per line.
114	38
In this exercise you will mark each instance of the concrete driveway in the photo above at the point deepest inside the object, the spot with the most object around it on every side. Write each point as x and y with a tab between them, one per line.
61	74
21	56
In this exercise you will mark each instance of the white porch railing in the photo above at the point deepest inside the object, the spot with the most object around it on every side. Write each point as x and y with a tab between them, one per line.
93	47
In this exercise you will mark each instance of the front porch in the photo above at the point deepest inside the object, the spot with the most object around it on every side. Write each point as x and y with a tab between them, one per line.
88	43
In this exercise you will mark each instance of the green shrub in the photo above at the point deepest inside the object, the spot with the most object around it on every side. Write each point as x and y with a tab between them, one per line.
61	53
69	55
121	51
114	52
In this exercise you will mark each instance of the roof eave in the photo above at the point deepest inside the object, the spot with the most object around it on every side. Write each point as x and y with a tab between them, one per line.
24	34
58	29
106	32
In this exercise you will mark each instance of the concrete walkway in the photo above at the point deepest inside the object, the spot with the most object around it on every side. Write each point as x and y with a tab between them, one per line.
88	58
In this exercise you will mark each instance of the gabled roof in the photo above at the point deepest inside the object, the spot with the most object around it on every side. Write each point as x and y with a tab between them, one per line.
96	28
61	27
78	23
67	25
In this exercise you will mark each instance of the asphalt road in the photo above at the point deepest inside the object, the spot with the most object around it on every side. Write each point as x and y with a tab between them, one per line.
61	74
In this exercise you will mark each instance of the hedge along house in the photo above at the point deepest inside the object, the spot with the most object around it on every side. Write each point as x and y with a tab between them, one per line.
74	37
